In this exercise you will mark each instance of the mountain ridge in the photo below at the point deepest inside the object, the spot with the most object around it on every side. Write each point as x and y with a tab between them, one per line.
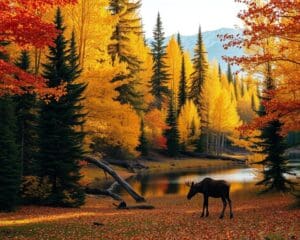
212	43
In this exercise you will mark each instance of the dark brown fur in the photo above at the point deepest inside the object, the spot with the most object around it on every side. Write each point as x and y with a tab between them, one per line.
212	188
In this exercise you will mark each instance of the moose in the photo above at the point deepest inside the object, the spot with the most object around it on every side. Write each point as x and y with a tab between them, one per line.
211	188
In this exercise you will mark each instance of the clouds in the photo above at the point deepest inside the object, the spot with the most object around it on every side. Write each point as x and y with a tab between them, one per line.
186	15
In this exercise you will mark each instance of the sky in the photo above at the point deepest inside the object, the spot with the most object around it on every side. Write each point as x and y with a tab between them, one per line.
185	16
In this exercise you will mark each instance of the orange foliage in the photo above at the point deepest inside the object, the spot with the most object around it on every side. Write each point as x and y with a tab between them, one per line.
272	22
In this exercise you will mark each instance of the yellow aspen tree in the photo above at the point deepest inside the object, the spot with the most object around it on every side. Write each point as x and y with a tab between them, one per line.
115	124
188	68
173	61
209	93
189	125
225	119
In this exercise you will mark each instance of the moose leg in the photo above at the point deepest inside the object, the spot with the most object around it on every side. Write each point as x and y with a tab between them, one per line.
230	207
203	208
224	207
206	200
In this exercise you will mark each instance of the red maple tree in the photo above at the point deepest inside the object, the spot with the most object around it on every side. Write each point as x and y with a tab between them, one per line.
21	24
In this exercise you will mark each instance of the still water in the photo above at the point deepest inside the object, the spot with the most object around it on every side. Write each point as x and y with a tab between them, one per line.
240	177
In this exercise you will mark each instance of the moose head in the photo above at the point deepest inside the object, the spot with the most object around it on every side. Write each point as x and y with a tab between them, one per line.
194	189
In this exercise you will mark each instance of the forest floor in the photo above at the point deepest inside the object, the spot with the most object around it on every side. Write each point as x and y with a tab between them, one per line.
269	216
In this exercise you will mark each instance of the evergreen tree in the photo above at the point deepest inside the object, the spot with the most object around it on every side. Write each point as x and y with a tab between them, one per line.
229	74
172	133
60	121
10	170
10	166
143	147
179	42
120	50
160	76
275	165
26	112
200	70
220	72
182	94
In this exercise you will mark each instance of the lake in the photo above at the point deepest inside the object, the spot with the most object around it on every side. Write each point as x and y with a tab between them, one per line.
240	177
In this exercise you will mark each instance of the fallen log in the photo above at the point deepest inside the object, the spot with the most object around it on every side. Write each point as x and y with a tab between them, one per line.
109	193
121	181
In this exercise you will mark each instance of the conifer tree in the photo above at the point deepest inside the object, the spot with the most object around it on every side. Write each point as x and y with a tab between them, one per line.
275	165
182	94
172	133
119	49
220	72
10	166
10	170
160	76
229	74
179	42
60	138
143	146
200	70
26	112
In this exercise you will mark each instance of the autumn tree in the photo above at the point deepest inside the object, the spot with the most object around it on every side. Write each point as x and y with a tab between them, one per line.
189	126
173	61
267	22
200	70
120	50
270	23
160	77
210	91
38	34
60	147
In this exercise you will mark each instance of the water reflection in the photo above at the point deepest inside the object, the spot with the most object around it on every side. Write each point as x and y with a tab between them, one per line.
157	185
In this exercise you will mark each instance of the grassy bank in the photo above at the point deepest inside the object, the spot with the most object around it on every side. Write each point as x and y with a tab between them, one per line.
256	217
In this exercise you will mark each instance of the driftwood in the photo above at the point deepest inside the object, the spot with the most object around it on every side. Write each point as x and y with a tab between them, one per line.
107	192
120	181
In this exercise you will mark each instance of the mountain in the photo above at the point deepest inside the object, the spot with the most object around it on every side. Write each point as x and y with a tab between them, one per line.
213	45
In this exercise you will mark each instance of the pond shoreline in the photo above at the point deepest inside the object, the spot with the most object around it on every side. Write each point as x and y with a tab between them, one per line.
162	165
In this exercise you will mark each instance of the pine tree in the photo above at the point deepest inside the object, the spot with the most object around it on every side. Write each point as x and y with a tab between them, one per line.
275	165
120	50
200	70
10	170
26	111
143	146
220	73
179	42
229	74
182	94
60	121
172	133
160	76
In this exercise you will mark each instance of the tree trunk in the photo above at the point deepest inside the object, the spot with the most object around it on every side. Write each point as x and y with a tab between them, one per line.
121	181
